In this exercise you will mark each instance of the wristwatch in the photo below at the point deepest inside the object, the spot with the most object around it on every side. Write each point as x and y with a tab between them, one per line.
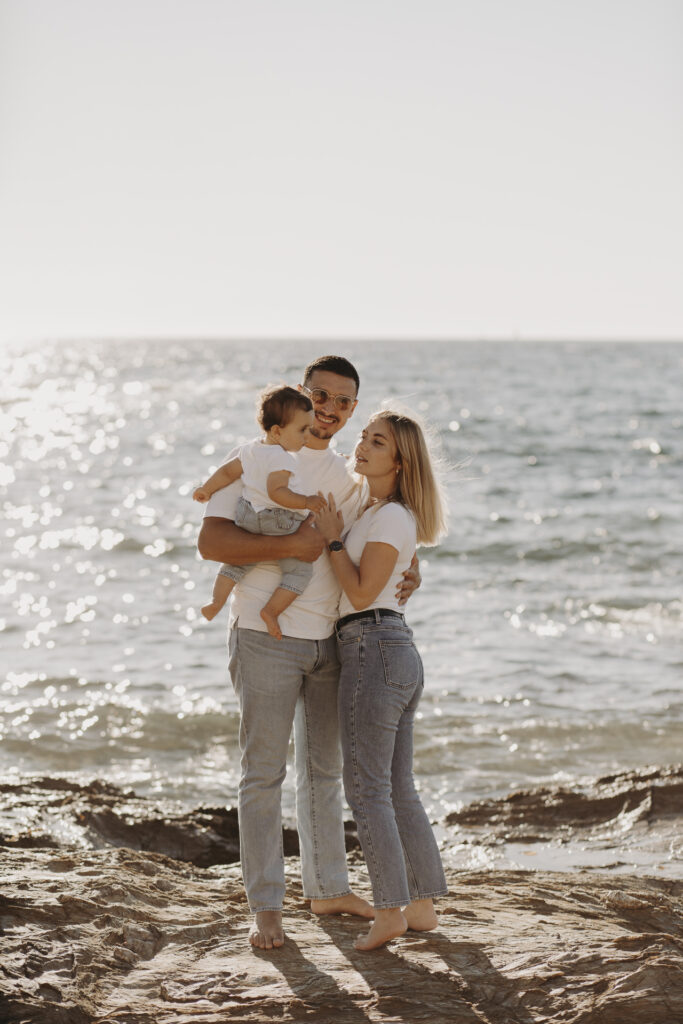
335	545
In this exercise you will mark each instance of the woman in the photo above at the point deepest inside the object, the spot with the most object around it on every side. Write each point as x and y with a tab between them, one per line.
381	677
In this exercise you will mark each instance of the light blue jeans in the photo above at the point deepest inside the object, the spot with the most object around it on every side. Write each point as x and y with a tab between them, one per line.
380	686
280	682
271	522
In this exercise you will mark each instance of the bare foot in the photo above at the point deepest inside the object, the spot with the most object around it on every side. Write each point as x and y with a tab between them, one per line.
210	611
388	924
347	904
267	931
272	624
421	916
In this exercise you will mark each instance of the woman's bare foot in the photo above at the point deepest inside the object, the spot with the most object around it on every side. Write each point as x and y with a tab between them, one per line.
267	931
421	916
272	624
347	904
388	924
210	611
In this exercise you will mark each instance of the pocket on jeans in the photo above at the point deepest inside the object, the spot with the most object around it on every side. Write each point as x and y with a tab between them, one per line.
402	664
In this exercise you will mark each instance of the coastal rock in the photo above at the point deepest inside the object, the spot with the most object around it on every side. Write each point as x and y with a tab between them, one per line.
120	936
47	812
611	803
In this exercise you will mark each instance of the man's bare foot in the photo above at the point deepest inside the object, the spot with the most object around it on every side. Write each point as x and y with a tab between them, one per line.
421	916
347	904
388	924
267	931
272	624
210	611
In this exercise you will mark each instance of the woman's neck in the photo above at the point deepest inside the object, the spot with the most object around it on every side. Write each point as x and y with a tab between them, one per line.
381	489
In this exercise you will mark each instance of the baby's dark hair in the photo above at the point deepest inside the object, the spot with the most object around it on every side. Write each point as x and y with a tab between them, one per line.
277	405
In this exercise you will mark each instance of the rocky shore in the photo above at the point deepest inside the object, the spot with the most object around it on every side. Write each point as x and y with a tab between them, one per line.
117	910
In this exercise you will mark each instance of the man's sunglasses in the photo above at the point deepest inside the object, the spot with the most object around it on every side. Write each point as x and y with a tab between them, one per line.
319	396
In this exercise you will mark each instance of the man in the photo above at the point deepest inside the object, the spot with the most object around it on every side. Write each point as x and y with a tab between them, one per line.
291	680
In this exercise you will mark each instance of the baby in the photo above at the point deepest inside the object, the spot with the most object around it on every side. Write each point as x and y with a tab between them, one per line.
268	505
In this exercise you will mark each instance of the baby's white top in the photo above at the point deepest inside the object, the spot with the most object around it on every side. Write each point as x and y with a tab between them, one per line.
259	460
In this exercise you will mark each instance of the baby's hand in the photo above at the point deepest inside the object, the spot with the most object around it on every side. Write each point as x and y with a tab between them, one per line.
315	503
201	495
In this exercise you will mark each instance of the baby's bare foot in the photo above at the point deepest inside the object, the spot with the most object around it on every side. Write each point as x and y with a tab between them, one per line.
421	916
210	611
272	624
267	931
347	904
388	924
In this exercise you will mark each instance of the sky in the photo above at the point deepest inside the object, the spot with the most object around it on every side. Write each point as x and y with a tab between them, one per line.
341	169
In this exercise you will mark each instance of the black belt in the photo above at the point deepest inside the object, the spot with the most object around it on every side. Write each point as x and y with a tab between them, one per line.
369	614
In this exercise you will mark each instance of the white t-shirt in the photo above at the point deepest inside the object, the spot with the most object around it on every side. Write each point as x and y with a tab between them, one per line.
387	524
313	614
259	460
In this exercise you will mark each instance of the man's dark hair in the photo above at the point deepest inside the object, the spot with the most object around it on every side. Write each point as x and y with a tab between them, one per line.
277	405
333	364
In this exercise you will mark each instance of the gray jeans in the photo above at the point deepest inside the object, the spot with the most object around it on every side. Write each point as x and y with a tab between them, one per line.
380	686
280	682
271	522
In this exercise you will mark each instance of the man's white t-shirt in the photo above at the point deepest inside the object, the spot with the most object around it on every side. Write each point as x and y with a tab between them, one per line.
390	523
259	460
313	614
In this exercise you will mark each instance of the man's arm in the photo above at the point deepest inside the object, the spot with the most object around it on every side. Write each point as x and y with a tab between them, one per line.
221	541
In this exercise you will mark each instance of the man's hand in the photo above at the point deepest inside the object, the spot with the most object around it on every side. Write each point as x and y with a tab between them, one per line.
201	495
410	582
308	543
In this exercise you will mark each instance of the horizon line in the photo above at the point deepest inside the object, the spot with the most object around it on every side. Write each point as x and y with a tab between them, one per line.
336	339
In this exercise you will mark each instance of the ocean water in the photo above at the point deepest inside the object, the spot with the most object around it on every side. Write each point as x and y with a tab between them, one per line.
550	621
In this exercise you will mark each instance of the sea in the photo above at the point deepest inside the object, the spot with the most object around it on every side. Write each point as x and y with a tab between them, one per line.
550	620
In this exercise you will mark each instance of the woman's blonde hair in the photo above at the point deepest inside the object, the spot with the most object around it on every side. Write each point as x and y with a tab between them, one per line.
417	485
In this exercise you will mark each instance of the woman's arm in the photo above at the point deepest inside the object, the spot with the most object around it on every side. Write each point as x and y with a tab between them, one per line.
223	477
221	541
364	583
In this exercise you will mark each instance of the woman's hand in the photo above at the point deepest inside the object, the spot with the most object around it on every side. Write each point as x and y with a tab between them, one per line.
329	521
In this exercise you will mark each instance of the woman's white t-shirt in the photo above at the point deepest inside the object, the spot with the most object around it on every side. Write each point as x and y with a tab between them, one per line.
392	524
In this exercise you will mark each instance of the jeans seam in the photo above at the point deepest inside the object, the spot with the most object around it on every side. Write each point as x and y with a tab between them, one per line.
311	790
370	855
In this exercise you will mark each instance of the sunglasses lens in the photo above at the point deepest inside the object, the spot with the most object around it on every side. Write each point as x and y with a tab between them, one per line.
320	396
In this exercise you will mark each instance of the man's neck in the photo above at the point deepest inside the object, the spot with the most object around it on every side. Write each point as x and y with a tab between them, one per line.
318	444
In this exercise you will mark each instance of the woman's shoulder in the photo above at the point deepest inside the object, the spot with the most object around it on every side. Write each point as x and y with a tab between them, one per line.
393	515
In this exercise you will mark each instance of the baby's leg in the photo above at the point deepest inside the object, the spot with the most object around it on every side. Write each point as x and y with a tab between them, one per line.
279	600
295	576
222	587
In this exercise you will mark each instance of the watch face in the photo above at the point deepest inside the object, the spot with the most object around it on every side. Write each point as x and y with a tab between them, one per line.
335	545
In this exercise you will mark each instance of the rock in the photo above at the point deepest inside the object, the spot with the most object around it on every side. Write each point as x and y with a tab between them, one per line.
46	812
120	910
127	937
609	804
